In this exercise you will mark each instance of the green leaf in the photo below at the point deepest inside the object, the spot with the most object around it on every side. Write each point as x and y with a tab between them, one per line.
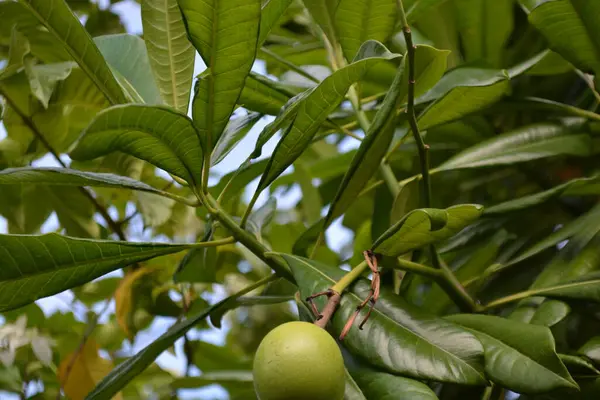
524	144
43	78
120	376
135	68
591	349
437	301
70	177
381	385
371	151
239	179
419	7
199	264
311	198
578	365
575	187
425	226
40	266
571	29
357	21
550	313
285	119
430	65
235	131
586	287
316	107
225	33
270	13
261	218
518	356
323	12
74	210
352	391
461	92
60	21
159	135
484	27
263	95
397	337
170	52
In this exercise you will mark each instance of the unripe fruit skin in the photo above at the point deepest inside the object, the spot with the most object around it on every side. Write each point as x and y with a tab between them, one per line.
299	361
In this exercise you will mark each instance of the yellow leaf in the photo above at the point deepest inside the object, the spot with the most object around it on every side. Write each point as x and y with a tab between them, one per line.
125	299
81	371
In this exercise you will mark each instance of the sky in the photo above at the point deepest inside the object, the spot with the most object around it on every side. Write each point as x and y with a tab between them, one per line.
336	235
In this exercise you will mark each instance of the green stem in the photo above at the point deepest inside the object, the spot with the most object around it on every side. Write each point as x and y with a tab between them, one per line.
451	283
419	269
350	277
245	237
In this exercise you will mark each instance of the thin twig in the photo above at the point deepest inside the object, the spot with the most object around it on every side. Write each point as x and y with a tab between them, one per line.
465	302
290	65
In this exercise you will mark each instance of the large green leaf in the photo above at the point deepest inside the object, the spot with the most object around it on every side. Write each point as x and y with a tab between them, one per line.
225	33
524	144
132	367
384	386
357	21
461	92
586	287
171	53
60	21
419	7
571	28
484	27
370	152
271	11
71	177
352	391
425	226
135	68
397	337
323	12
576	187
74	102
40	266
316	107
518	356
155	134
263	95
44	45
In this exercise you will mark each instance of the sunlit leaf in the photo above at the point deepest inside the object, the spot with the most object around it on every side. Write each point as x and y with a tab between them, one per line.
171	53
59	20
225	34
398	337
158	135
518	356
424	226
40	266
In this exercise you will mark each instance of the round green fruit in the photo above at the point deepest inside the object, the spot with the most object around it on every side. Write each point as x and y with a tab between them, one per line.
298	361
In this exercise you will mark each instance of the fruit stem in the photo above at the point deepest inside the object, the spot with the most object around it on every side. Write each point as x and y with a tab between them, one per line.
334	294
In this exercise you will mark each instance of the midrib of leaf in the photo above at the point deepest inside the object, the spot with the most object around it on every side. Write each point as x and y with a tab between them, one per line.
82	65
478	332
375	310
171	56
211	85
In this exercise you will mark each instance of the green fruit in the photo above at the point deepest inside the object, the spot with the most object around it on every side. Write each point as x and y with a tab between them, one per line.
298	361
